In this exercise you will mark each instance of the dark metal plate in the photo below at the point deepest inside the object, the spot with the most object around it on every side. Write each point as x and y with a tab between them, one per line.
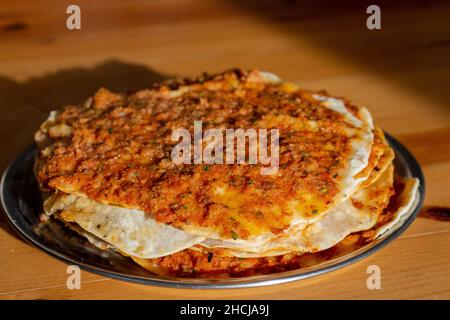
21	200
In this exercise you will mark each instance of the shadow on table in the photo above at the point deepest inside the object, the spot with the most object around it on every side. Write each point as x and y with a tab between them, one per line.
435	213
411	49
25	105
72	86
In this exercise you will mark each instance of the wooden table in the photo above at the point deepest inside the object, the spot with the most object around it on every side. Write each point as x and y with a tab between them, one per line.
400	72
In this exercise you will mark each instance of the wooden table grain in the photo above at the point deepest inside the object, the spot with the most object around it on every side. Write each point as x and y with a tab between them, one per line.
400	72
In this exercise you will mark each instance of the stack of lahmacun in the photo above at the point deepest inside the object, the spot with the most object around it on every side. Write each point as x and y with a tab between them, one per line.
106	172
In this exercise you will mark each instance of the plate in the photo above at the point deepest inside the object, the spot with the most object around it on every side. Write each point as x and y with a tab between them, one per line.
22	203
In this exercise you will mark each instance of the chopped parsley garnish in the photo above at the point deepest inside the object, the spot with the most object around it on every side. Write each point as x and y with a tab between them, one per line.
234	235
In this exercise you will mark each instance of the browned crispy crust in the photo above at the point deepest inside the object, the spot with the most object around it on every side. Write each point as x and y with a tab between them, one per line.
215	263
116	149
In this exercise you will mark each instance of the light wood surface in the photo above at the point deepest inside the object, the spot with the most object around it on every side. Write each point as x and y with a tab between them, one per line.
401	73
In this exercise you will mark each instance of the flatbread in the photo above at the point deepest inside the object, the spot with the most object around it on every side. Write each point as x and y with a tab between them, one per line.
358	213
128	230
